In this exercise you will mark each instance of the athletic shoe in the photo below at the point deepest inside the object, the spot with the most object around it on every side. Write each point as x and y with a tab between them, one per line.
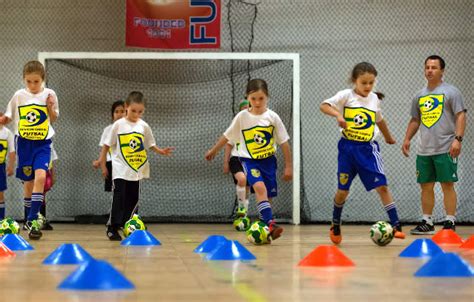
423	228
113	234
275	230
449	225
47	226
397	232
34	232
335	233
241	212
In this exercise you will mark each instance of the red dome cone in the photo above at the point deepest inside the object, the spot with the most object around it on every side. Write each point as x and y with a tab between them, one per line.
326	255
469	244
5	251
447	237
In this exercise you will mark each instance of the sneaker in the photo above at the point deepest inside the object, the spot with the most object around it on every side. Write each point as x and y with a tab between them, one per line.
34	232
423	228
335	233
449	225
113	234
241	212
41	220
275	230
47	226
397	232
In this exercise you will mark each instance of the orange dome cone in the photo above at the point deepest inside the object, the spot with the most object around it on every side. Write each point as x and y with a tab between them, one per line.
326	255
5	251
469	244
447	237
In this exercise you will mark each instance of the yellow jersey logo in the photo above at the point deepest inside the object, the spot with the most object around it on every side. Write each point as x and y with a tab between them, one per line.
3	150
27	170
259	141
133	150
255	173
360	124
343	178
431	108
33	123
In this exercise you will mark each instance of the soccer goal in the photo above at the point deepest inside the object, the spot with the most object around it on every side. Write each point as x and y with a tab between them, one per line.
192	98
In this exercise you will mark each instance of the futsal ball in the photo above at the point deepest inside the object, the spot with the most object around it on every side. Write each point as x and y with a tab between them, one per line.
132	225
31	117
258	139
259	233
242	224
358	120
9	226
381	233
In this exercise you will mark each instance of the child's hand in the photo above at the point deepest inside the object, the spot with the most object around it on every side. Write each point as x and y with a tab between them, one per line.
50	101
9	170
105	173
3	119
210	154
96	164
288	174
167	151
341	121
226	168
390	140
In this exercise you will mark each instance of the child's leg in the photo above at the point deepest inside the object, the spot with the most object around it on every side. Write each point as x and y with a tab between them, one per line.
116	212
339	200
2	205
27	191
37	196
132	191
263	206
241	191
391	209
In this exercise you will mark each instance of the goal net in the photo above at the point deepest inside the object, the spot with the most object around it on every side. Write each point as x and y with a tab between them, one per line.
191	100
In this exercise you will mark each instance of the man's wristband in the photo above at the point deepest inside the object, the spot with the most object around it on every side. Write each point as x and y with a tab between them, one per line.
458	138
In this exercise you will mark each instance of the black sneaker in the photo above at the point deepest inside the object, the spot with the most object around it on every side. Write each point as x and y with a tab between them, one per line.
423	228
47	226
449	225
34	232
113	234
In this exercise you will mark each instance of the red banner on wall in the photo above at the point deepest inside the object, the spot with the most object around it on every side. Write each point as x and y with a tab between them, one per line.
173	24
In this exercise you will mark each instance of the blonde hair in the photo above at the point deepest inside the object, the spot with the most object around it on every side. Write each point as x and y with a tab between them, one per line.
34	67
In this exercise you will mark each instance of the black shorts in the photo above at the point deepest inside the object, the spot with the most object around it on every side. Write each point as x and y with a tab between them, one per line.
108	180
235	166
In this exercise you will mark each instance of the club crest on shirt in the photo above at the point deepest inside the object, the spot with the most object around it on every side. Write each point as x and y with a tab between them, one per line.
431	108
259	141
360	124
3	150
33	122
132	148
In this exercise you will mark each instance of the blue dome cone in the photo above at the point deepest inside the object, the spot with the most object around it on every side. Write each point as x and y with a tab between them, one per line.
421	248
68	253
446	265
140	238
210	244
15	242
96	275
231	250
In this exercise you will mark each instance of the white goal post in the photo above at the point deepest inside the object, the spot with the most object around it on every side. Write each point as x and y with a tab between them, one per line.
294	57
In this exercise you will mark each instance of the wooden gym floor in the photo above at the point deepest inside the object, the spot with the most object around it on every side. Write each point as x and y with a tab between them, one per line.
172	272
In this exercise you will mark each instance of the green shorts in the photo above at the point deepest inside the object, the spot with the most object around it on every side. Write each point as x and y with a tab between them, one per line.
436	168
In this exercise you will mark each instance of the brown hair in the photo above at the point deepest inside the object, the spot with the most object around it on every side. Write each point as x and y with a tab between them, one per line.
135	97
34	67
360	69
256	85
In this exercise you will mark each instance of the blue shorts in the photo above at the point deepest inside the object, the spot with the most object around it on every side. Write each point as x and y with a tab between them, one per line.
361	158
32	155
3	178
262	170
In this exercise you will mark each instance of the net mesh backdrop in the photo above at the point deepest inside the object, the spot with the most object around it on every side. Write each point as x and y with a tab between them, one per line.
190	104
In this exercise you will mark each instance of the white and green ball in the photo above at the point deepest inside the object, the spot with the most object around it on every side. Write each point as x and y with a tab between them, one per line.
242	224
381	233
132	225
9	226
259	233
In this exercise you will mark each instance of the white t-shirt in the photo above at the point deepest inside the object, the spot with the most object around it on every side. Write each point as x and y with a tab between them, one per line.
29	114
7	143
361	114
235	149
54	155
258	135
129	142
104	136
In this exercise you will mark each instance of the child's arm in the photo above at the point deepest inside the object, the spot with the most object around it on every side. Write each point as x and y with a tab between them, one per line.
4	119
385	132
412	128
331	111
288	172
211	153
11	163
103	159
165	152
50	102
227	151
